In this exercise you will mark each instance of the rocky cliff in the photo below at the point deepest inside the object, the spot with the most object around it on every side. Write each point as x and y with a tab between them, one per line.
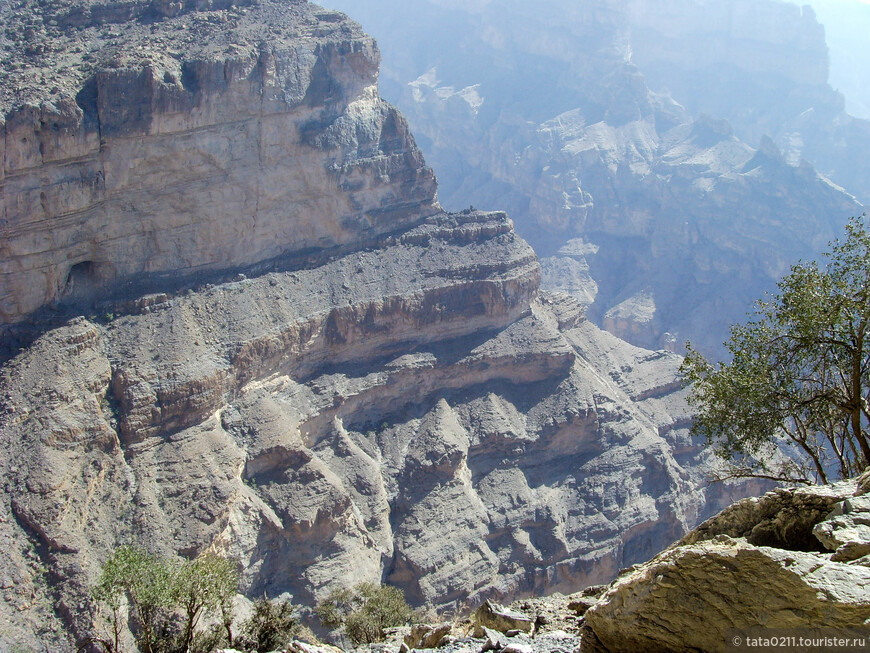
247	326
657	158
792	563
762	66
138	143
788	569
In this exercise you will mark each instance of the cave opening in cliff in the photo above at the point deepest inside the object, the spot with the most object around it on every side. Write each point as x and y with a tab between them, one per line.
81	280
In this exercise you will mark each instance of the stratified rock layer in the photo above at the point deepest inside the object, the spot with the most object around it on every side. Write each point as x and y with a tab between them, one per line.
207	141
382	395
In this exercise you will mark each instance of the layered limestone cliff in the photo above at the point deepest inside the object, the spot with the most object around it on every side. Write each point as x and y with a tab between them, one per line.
657	156
136	146
333	380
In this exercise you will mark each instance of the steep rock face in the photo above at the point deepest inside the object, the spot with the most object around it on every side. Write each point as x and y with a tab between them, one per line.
205	145
320	447
761	66
325	426
382	373
792	559
665	221
666	35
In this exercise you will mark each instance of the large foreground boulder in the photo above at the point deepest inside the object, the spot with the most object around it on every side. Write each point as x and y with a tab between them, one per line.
751	567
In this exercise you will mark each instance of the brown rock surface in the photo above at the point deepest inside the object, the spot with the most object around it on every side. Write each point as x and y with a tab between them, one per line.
388	397
755	567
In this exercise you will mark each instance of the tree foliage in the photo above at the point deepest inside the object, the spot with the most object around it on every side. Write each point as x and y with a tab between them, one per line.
792	404
200	586
157	591
144	579
364	611
270	627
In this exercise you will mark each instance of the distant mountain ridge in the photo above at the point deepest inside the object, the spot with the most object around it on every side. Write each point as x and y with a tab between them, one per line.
691	150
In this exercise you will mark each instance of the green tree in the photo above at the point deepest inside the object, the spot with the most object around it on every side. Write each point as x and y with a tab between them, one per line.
365	611
157	590
145	580
110	590
203	585
792	404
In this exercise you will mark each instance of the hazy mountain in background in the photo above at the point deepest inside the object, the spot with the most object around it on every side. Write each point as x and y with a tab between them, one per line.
847	23
668	161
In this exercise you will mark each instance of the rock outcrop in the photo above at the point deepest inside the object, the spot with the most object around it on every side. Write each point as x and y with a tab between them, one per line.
332	381
139	149
794	560
657	158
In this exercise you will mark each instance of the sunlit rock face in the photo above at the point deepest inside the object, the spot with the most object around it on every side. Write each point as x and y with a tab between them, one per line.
672	139
213	141
246	326
797	556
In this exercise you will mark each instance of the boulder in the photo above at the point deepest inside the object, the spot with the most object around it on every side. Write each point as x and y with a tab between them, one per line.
493	640
719	579
497	617
426	636
846	531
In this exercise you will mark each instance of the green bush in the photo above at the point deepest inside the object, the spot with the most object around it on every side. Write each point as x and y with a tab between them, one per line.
167	599
364	611
145	580
270	627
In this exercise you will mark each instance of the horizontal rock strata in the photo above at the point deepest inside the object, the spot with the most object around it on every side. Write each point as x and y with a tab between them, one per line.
285	352
215	142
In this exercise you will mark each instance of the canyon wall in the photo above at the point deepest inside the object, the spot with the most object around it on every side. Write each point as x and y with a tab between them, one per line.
668	161
207	147
250	329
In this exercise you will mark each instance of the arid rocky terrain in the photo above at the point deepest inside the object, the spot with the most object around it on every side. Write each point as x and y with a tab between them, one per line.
237	319
668	161
791	564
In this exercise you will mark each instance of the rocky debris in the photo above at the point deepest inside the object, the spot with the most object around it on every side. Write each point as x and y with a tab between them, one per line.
743	575
426	636
493	639
298	646
846	530
556	628
493	616
553	642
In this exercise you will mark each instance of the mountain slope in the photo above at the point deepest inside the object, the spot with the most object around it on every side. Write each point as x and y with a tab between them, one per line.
654	154
238	320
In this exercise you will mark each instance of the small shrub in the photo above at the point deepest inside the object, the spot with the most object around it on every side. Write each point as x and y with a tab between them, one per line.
210	640
270	627
365	611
